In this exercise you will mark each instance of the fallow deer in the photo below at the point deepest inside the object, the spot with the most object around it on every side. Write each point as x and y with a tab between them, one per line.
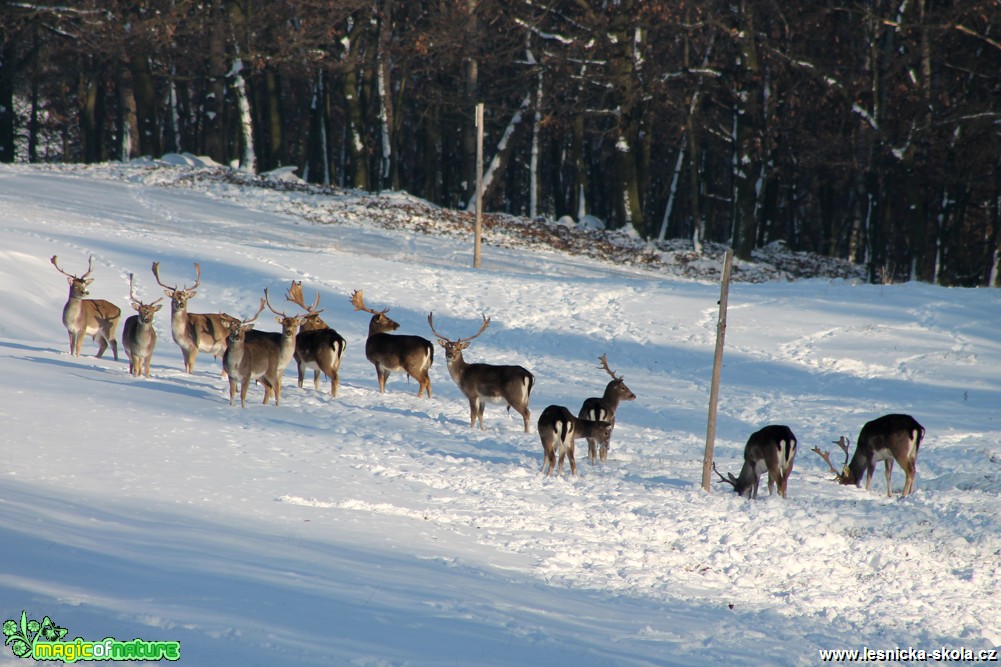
138	334
486	383
388	352
193	332
317	346
263	357
893	437
604	408
96	318
771	450
558	429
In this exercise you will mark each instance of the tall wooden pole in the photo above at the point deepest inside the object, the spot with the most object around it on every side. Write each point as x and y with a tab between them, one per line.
479	185
707	461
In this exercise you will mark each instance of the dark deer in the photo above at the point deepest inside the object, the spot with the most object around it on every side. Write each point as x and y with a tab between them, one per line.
138	334
771	450
486	383
193	332
604	408
411	354
96	318
317	346
558	429
889	438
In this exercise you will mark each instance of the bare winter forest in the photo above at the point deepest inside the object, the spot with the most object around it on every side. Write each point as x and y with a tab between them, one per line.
865	130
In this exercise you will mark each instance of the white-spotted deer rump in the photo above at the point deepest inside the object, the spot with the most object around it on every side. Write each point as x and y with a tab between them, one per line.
317	346
261	356
771	450
558	429
604	408
388	352
138	334
486	383
82	317
889	438
193	332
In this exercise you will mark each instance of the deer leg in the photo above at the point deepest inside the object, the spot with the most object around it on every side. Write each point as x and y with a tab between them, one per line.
301	368
383	376
243	392
189	359
316	380
889	471
603	452
146	365
592	451
910	470
868	475
573	462
335	382
114	347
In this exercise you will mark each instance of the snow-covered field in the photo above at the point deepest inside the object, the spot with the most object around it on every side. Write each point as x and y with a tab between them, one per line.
380	530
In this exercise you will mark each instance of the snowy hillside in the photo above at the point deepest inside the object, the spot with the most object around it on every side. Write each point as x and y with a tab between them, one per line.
379	530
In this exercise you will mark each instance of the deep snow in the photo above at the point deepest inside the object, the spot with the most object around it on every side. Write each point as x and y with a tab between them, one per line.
380	530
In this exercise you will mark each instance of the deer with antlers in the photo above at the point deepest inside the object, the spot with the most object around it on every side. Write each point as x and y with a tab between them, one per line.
486	383
193	332
96	318
772	450
138	334
889	438
317	346
558	429
388	352
259	355
605	407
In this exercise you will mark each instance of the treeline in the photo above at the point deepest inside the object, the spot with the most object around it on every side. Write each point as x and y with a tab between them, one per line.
864	129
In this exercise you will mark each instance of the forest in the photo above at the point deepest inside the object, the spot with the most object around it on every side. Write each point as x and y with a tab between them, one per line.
866	130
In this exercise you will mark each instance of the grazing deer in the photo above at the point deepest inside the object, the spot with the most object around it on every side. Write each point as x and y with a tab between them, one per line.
96	318
604	408
483	383
558	429
317	346
261	356
889	438
411	354
138	335
771	450
193	332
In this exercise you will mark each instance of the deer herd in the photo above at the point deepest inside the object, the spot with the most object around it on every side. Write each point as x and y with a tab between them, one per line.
249	355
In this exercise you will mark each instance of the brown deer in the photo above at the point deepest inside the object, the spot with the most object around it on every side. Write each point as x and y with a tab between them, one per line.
261	356
604	408
96	318
558	429
388	352
317	346
193	332
893	437
772	450
138	334
483	383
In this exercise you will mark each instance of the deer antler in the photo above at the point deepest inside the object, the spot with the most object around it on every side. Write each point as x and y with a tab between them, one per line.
604	365
359	303
198	278
294	294
732	481
844	476
483	327
90	267
257	314
131	294
270	307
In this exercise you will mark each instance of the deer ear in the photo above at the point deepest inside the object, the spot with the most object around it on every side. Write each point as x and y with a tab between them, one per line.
136	307
69	280
442	343
462	346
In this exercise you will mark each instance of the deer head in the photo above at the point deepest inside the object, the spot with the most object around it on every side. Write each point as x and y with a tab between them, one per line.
178	295
379	323
312	319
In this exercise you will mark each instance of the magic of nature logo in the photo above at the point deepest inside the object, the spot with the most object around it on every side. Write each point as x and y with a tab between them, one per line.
44	640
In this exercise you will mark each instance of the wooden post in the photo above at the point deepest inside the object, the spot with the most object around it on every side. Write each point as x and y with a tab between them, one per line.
479	185
707	460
